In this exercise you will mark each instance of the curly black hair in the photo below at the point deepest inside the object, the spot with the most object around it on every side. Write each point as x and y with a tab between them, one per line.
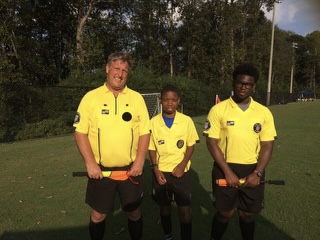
246	69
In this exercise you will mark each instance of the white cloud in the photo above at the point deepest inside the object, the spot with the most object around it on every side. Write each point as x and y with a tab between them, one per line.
298	16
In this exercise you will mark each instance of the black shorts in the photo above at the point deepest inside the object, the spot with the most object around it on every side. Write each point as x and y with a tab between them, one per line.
101	194
175	190
246	199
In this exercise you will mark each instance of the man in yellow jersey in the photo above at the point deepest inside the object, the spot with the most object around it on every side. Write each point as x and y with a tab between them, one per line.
112	132
239	133
173	137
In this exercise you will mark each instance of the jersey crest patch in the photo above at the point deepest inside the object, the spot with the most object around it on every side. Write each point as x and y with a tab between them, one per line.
160	142
230	123
104	111
257	127
76	118
207	125
180	143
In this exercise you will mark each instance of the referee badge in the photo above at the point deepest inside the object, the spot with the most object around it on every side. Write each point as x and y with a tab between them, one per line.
76	118
257	127
180	143
207	125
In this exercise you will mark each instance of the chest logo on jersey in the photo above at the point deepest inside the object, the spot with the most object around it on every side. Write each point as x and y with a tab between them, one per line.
160	142
126	116
230	123
105	111
180	143
257	127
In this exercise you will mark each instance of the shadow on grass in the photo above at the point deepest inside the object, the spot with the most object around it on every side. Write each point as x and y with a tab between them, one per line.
116	225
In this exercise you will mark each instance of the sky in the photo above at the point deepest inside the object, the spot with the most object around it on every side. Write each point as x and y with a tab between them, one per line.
299	16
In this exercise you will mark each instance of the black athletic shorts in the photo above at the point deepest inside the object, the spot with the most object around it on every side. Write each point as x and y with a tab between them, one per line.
101	194
246	199
176	190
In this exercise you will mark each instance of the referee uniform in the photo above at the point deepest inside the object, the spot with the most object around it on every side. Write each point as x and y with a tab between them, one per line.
239	133
113	125
170	145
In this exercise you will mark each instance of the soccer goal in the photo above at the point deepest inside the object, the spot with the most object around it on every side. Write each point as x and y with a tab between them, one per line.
153	103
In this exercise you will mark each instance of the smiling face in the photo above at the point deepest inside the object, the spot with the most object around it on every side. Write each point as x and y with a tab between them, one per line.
117	74
243	86
170	101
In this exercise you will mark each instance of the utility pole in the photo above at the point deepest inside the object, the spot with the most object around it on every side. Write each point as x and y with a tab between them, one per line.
271	57
294	46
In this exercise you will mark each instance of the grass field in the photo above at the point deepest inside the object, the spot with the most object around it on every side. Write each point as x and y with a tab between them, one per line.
40	200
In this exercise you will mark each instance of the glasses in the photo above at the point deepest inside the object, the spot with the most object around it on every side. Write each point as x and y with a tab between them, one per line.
247	85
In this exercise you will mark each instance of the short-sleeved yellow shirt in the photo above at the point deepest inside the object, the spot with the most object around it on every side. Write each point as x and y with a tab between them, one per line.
113	124
170	144
240	132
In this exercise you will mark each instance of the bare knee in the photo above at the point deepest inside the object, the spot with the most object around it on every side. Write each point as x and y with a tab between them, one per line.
246	216
134	215
97	217
224	216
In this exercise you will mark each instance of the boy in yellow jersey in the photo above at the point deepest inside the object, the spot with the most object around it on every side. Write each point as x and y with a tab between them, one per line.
112	132
240	134
173	137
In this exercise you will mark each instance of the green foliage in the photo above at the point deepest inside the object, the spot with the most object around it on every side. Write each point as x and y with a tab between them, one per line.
45	128
193	44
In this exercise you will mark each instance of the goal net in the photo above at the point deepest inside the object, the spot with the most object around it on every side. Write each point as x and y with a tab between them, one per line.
153	103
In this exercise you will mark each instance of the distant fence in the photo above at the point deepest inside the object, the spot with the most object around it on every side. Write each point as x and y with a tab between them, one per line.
41	111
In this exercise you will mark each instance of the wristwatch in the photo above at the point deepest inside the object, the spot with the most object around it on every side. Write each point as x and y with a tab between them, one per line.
259	174
154	165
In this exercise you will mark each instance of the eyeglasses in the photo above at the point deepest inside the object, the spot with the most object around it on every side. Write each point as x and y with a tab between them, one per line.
247	85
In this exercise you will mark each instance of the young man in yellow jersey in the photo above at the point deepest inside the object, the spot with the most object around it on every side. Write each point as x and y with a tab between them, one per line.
240	134
112	132
173	137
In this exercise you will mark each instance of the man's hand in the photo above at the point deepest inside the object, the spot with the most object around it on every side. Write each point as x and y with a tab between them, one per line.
178	171
232	180
136	168
159	176
94	171
252	180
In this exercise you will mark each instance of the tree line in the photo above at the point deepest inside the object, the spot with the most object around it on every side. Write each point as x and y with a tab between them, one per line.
195	43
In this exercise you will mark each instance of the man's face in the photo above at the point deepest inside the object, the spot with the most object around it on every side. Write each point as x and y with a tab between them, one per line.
117	74
170	101
243	86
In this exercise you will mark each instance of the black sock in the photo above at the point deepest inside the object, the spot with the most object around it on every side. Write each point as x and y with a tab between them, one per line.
97	229
218	228
186	231
166	224
135	229
247	229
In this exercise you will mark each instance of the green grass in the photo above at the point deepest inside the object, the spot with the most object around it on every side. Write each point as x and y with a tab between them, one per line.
40	200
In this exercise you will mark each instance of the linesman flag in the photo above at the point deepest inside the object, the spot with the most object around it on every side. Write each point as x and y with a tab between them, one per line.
217	99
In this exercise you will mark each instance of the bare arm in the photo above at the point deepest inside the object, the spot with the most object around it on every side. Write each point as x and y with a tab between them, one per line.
137	166
159	175
85	150
231	178
263	161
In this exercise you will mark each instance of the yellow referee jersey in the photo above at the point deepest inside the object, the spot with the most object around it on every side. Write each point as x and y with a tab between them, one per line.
170	144
113	124
240	132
